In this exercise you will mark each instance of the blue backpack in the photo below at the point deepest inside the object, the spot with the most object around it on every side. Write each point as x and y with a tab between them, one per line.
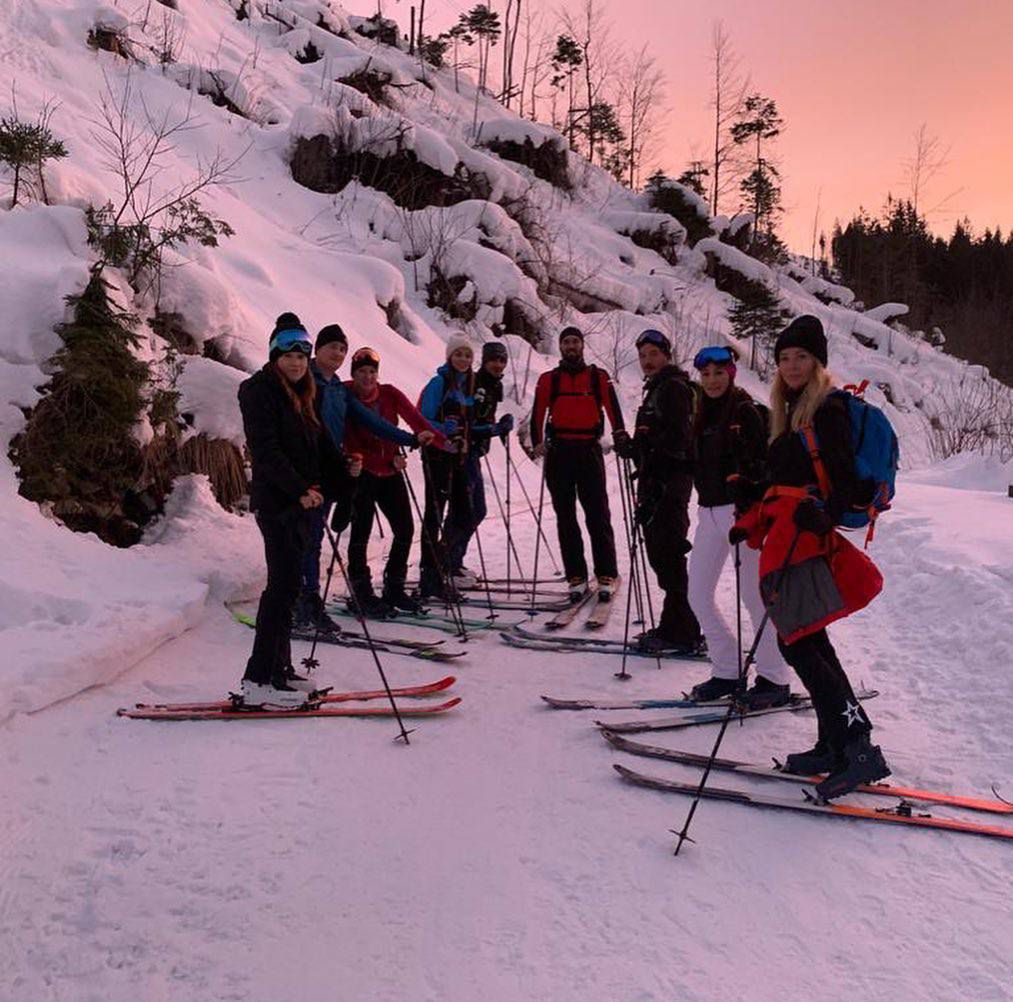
877	455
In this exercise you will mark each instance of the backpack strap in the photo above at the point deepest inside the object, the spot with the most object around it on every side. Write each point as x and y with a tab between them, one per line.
555	376
811	442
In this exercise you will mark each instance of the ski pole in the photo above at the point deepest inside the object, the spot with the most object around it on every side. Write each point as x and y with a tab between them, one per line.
645	578
451	602
538	535
531	508
481	560
403	736
743	669
503	514
426	539
634	582
506	447
310	662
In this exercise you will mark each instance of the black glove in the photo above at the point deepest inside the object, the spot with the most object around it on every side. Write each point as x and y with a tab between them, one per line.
623	443
737	535
341	513
504	425
812	517
744	492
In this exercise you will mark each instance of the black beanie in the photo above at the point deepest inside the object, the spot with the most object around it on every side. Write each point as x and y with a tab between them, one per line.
332	332
804	332
494	349
571	332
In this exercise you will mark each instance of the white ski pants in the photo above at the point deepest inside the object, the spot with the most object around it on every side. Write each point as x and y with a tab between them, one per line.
711	551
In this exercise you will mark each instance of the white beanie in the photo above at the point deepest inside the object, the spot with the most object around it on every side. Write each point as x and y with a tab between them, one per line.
459	340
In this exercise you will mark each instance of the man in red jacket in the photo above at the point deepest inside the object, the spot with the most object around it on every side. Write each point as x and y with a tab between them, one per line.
575	397
381	485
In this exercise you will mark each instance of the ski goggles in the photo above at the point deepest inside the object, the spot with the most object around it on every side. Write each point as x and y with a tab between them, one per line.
291	340
714	355
656	338
366	356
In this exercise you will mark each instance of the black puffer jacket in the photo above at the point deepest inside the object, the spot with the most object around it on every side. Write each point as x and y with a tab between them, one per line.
791	466
288	456
730	439
662	441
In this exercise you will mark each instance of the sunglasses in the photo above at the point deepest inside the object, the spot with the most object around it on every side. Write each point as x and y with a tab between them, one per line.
714	355
286	341
654	337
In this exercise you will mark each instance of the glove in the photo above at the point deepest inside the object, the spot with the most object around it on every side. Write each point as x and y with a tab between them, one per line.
744	492
737	535
623	443
537	451
812	517
505	425
341	513
451	427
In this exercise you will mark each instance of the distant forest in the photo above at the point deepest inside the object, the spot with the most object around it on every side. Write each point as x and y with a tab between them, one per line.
963	285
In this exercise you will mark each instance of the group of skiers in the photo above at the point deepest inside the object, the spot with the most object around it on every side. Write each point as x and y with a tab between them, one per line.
314	439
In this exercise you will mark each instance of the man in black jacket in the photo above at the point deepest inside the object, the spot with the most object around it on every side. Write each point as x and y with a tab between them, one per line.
661	448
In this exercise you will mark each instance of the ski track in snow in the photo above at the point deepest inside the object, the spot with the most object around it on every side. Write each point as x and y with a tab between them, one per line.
498	856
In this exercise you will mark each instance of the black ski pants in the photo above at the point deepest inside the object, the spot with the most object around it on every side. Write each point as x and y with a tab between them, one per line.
390	495
840	717
577	471
446	485
285	539
663	509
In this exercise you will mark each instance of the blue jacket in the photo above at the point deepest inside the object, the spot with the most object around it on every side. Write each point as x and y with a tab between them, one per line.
338	405
451	394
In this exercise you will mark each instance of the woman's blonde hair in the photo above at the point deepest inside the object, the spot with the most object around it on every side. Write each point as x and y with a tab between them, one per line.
815	392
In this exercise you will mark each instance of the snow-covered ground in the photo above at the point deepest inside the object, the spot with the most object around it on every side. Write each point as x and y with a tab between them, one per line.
499	856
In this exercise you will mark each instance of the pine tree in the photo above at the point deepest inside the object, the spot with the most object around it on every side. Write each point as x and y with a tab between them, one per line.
757	316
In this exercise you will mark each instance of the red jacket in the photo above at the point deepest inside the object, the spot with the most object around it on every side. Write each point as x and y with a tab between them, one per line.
573	406
827	578
377	453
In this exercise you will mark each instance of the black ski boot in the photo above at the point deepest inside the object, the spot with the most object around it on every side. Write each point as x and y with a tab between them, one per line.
400	601
363	601
764	694
812	762
863	763
311	616
714	688
653	641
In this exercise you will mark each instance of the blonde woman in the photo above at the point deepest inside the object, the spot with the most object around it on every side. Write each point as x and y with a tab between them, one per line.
810	575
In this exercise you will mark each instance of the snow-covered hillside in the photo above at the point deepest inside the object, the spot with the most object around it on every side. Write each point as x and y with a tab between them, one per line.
502	860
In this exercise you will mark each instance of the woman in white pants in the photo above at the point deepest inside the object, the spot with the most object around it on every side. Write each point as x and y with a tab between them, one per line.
730	439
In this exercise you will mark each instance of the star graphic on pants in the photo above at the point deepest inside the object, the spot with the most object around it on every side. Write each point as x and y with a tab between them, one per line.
853	711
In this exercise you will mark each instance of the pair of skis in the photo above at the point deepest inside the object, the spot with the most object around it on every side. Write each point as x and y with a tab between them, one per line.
903	813
599	608
522	637
318	704
426	650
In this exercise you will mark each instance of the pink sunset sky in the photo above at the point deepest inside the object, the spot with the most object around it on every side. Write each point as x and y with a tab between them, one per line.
853	80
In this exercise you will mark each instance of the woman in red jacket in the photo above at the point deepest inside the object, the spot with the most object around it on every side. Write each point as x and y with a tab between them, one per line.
810	575
382	485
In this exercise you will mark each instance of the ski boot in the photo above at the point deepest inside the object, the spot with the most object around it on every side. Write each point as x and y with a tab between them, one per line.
653	641
276	694
301	682
863	763
714	688
400	601
764	694
812	762
310	615
464	579
577	587
606	587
